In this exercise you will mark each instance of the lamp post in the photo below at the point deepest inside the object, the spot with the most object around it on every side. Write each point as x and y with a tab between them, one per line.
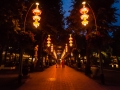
70	40
84	17
48	41
36	16
37	12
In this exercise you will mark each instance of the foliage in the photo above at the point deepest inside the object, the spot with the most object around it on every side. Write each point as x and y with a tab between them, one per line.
52	16
104	14
116	42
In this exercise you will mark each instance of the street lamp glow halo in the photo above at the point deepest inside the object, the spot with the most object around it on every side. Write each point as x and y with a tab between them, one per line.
83	2
37	3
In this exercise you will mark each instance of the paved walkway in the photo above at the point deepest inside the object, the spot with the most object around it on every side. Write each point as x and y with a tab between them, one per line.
66	78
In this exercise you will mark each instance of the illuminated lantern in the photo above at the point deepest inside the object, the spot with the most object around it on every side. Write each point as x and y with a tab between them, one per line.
36	18
37	11
84	15
84	22
36	23
84	10
48	41
70	41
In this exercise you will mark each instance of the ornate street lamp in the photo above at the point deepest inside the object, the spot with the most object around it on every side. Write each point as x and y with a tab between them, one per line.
36	16
70	40
84	15
48	41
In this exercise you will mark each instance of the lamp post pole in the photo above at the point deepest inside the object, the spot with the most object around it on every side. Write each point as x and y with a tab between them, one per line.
36	12
84	17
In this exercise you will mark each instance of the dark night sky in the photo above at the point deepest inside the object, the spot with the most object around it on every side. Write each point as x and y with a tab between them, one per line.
67	4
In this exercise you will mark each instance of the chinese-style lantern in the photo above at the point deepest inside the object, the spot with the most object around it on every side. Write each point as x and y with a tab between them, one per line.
70	41
48	41
84	15
36	16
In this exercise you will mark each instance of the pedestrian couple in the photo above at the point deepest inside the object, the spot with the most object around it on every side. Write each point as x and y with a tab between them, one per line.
58	63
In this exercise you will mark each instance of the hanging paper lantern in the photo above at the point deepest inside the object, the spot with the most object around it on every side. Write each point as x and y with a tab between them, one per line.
84	10
36	18
84	22
36	23
84	16
70	40
48	41
48	44
37	11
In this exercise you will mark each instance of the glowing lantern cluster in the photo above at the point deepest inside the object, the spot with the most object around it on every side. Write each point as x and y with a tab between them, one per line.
36	16
52	48
70	41
84	15
48	41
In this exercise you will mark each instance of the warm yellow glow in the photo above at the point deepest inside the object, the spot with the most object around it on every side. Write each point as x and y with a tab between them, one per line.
66	48
36	23
71	44
52	79
48	41
48	38
48	44
84	10
36	11
70	40
83	2
84	16
36	18
117	66
52	48
37	3
84	22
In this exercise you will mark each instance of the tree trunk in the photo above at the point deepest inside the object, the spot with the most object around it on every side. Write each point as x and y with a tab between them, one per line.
5	57
39	64
1	51
87	66
101	67
20	66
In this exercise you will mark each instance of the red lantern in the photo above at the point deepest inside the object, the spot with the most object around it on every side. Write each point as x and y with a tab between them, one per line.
37	11
84	10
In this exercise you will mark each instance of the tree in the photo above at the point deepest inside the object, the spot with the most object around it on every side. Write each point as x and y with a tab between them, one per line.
51	23
104	16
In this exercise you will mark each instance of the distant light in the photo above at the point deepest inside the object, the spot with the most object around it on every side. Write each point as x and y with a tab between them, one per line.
37	3
83	2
